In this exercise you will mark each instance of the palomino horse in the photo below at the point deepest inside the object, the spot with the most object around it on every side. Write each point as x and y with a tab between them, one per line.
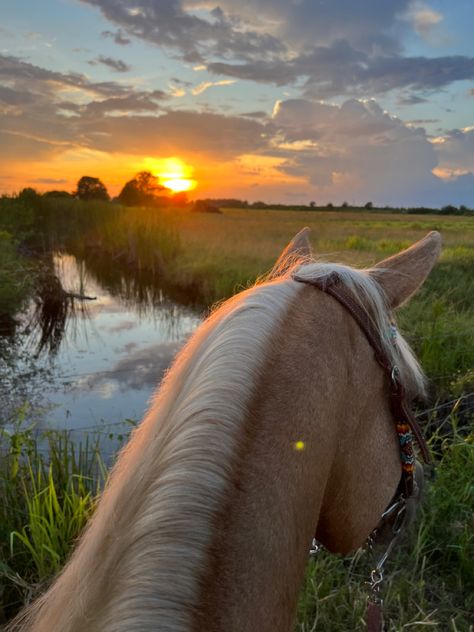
272	424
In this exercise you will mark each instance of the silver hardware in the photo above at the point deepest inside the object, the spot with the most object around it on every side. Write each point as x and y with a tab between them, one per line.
375	584
395	375
316	547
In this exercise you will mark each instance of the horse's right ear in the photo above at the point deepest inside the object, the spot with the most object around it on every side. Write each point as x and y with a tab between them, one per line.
298	247
401	275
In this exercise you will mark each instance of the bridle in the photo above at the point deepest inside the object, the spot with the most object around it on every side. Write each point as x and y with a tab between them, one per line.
394	517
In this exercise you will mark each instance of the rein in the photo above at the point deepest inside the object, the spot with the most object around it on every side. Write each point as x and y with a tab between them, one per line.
406	426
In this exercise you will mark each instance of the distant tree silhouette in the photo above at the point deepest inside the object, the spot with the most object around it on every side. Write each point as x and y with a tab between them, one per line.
28	194
369	205
30	198
143	190
57	194
312	204
89	188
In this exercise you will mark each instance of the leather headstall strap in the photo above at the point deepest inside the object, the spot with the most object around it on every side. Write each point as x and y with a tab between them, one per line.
406	423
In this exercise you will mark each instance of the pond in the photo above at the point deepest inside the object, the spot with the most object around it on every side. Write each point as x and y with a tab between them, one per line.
112	353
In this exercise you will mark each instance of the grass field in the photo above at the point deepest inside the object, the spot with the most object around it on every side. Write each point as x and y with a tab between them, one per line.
45	501
208	257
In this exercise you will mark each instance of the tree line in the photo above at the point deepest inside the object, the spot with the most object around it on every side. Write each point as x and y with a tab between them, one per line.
144	189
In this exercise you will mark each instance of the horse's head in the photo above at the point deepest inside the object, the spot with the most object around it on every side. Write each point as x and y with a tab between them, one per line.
364	466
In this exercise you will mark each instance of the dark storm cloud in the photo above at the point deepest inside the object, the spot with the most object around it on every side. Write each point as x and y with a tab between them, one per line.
358	52
114	64
340	70
169	24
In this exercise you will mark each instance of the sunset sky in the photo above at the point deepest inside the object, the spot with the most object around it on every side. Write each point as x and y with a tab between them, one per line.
276	100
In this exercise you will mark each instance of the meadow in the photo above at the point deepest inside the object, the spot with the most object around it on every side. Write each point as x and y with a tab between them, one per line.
203	258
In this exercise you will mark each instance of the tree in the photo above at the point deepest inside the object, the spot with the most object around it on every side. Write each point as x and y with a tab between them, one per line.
369	205
89	188
57	194
142	190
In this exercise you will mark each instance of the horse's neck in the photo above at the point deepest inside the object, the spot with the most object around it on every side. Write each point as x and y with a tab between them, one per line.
263	535
252	568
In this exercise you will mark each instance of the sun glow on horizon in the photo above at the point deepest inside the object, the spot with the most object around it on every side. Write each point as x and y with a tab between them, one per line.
173	173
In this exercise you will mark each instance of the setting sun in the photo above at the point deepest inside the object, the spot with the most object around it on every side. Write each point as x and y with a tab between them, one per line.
179	184
173	173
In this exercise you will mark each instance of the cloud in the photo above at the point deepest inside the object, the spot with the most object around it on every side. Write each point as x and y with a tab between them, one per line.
307	148
424	19
50	112
355	151
340	70
32	78
49	180
115	64
410	99
118	37
455	151
337	48
174	25
135	102
205	85
183	132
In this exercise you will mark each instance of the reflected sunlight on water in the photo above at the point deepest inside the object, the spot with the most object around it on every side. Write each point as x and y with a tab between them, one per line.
115	348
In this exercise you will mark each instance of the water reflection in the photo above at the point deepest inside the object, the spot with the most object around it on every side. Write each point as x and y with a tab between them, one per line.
110	341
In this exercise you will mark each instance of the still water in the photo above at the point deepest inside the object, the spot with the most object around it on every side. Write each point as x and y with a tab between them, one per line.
113	351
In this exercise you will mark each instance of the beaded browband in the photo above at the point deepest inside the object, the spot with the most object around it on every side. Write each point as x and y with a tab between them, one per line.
406	425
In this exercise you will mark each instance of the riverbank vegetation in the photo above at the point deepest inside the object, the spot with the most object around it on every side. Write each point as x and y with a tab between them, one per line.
48	484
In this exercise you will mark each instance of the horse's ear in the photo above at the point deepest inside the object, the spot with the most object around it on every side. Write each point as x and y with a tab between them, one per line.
298	247
401	275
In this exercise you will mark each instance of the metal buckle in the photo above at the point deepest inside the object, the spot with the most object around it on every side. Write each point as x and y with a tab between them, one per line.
395	376
315	548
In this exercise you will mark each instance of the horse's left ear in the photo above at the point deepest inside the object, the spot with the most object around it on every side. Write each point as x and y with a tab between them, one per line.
401	275
298	247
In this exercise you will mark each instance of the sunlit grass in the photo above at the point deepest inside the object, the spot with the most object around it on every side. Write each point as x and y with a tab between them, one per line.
48	488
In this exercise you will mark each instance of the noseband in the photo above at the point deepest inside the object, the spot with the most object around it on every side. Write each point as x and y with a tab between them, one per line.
407	428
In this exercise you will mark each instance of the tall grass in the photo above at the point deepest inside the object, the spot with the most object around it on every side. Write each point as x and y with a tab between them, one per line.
430	580
48	488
